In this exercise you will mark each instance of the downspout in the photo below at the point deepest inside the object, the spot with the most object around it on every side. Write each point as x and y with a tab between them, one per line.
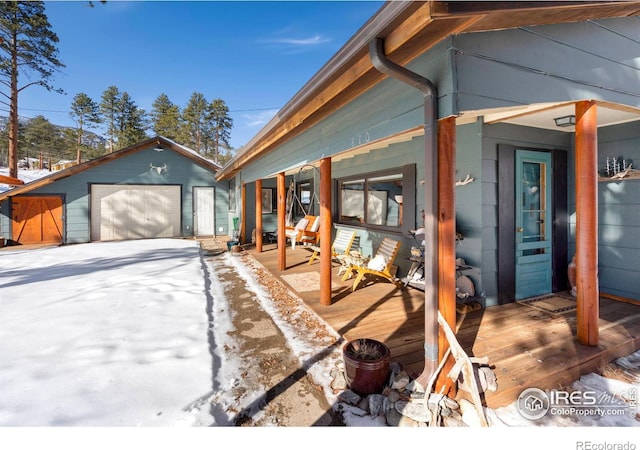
428	89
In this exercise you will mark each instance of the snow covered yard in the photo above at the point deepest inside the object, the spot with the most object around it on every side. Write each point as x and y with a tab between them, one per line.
105	334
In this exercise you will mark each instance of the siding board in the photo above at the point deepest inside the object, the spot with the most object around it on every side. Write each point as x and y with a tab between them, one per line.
561	63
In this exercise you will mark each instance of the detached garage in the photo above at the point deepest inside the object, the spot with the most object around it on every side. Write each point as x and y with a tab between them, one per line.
154	189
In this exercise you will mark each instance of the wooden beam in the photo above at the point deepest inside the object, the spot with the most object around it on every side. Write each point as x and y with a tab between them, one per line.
259	216
587	299
282	240
446	242
619	298
325	231
475	7
10	180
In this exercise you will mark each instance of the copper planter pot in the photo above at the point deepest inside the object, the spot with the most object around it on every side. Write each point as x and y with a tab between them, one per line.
366	376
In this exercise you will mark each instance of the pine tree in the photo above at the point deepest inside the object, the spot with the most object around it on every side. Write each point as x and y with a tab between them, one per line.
86	114
194	116
165	118
131	122
41	136
220	124
108	111
28	47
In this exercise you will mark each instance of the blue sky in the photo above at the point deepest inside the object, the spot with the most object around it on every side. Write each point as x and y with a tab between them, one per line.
253	55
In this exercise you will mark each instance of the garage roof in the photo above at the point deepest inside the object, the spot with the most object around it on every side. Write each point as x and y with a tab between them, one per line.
158	141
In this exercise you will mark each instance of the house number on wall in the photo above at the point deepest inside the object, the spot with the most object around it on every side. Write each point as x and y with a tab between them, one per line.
360	139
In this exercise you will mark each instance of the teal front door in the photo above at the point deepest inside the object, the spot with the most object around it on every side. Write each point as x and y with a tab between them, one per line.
533	223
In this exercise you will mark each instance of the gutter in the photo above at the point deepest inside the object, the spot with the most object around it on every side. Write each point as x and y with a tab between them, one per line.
429	91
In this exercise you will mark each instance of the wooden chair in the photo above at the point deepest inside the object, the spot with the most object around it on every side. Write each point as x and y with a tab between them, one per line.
311	234
378	266
304	230
341	245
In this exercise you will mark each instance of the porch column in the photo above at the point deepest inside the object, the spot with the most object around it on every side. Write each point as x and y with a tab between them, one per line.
259	216
587	299
243	215
282	205
446	241
325	231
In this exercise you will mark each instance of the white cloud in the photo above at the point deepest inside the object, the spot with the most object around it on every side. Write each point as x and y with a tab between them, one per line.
313	40
259	118
292	42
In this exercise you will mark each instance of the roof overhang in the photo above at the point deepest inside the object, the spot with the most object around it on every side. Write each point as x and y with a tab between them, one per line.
409	30
543	115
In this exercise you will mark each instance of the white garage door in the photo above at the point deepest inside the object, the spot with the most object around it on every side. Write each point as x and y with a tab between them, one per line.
134	212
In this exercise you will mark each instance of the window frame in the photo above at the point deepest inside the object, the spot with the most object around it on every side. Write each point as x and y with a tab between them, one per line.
408	216
298	187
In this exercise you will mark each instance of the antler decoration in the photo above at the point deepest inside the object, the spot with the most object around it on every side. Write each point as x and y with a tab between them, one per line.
466	181
158	169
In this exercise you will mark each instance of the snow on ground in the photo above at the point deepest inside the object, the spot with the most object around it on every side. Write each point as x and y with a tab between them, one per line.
616	400
120	334
104	334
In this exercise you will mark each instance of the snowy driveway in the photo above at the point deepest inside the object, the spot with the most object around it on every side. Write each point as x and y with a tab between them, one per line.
105	334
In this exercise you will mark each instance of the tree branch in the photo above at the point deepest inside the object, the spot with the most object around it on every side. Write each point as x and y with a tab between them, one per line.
30	84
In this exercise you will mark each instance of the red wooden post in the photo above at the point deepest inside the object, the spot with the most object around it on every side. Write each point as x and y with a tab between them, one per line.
587	298
259	216
282	204
325	231
446	240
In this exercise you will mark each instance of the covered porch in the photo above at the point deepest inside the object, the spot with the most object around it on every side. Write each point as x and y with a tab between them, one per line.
521	227
526	347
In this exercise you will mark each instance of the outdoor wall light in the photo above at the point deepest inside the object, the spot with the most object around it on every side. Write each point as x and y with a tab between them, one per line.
565	121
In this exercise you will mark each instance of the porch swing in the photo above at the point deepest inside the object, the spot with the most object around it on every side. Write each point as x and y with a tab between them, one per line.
306	230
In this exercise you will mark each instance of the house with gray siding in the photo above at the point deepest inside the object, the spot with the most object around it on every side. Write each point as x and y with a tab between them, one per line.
530	100
156	188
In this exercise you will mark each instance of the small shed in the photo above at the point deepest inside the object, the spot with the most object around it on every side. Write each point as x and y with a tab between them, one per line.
156	188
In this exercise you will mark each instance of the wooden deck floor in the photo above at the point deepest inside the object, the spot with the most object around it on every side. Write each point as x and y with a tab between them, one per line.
526	347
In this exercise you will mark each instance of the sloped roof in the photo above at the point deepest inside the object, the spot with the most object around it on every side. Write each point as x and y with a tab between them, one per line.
158	141
409	30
